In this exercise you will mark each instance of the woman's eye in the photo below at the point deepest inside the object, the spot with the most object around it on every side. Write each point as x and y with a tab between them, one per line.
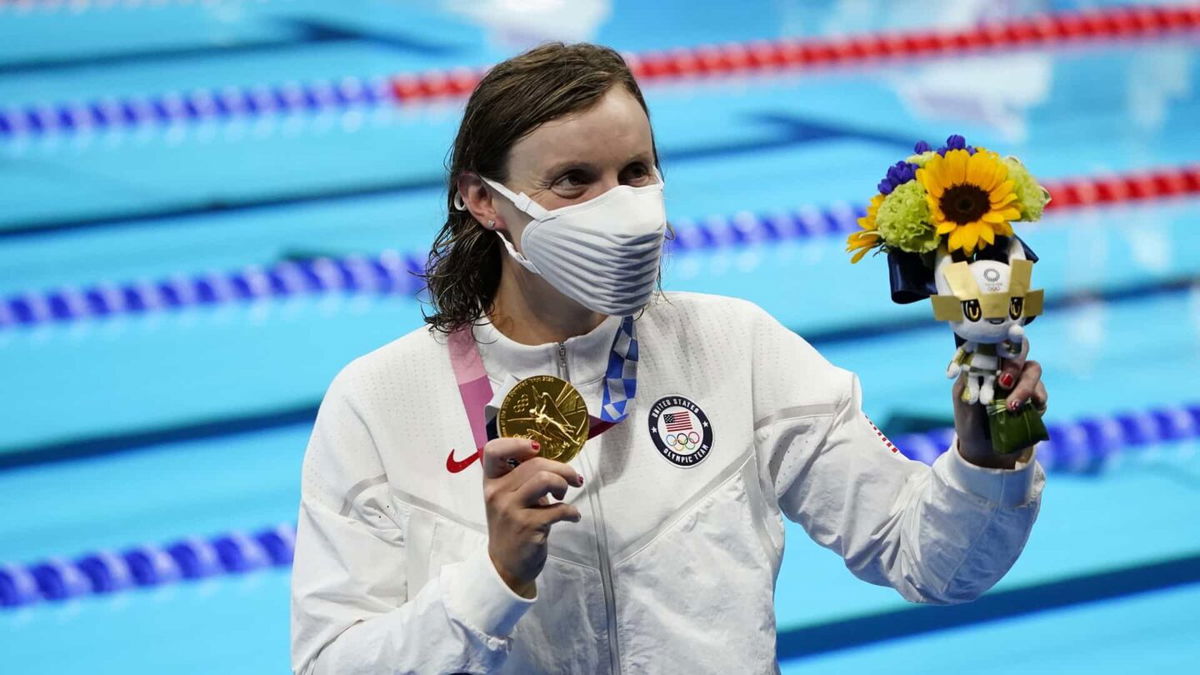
637	173
570	180
1015	305
971	310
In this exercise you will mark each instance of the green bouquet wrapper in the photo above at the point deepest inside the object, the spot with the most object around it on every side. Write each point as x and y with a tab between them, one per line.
1013	431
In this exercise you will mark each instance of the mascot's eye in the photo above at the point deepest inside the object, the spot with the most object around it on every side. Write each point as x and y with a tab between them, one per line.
1015	305
971	310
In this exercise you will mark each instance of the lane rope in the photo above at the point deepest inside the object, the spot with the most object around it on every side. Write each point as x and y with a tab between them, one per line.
394	272
1040	30
108	571
1085	445
738	58
1082	446
26	7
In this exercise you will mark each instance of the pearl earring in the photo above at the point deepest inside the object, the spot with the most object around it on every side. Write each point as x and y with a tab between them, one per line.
491	225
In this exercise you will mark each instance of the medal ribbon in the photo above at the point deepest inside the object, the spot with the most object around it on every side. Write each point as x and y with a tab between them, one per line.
620	382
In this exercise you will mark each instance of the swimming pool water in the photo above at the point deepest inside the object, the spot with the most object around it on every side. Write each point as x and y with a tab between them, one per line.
203	411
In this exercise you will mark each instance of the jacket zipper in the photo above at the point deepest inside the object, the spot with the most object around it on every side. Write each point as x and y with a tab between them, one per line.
606	582
563	373
601	532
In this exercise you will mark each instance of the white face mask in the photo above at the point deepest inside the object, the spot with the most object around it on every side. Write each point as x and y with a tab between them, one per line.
602	253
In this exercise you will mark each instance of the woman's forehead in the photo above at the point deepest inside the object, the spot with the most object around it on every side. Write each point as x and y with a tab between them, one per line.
611	132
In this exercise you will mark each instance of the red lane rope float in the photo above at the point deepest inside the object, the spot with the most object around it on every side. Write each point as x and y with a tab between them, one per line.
1130	187
393	272
767	56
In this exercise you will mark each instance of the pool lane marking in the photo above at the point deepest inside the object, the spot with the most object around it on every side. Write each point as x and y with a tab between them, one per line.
683	64
298	415
300	32
910	621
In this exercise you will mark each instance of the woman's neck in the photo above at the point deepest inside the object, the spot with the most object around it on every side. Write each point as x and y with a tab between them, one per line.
529	311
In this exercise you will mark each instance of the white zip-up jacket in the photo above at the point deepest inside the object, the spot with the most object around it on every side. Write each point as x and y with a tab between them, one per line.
673	565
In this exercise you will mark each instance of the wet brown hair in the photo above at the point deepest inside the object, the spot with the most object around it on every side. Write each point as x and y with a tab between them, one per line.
514	98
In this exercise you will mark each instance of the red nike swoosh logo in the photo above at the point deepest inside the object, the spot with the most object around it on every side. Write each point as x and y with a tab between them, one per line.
455	465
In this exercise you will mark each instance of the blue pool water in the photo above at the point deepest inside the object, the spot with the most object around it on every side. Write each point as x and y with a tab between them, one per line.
216	196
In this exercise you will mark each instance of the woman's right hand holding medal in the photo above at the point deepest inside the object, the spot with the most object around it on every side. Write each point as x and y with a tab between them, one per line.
516	486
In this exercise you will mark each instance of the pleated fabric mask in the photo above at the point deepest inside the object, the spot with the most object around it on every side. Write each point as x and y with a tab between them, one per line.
603	253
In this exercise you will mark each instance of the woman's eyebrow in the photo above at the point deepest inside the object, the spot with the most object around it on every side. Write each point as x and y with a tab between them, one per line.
569	164
587	166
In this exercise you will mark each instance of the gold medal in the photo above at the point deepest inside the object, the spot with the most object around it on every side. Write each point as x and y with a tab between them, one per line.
548	410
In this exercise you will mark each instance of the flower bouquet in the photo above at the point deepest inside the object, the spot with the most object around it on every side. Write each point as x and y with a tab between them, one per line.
944	218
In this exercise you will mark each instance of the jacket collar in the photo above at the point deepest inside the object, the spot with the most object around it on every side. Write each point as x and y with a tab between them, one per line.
587	354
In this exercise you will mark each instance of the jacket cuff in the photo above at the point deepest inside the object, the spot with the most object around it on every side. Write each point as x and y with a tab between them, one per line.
477	596
1003	487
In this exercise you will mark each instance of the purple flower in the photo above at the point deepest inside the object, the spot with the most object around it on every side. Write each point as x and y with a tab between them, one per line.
921	147
897	174
956	142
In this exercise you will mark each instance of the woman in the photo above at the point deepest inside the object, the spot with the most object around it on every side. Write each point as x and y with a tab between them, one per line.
659	550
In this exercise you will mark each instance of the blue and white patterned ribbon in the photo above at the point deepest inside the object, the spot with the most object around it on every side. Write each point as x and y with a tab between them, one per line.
620	379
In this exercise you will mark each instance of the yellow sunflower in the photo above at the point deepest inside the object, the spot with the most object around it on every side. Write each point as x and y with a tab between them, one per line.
868	238
970	196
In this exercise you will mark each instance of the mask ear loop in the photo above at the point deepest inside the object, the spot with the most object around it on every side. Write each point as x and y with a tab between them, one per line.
517	255
522	201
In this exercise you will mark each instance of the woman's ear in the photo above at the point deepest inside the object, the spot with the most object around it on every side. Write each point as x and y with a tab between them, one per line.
474	197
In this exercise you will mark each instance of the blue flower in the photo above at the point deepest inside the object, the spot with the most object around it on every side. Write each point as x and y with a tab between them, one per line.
956	142
897	174
921	147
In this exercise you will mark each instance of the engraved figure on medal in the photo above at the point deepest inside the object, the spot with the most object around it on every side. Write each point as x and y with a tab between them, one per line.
548	410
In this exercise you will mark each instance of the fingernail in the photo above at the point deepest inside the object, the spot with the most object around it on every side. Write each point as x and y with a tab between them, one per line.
536	445
1006	380
580	479
1013	405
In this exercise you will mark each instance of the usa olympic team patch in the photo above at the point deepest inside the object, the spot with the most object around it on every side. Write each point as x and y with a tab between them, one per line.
680	430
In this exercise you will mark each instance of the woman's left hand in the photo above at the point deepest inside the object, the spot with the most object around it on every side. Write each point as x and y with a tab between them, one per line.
1021	379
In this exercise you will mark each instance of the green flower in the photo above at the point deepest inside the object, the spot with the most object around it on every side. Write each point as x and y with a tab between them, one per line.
904	220
1031	197
921	158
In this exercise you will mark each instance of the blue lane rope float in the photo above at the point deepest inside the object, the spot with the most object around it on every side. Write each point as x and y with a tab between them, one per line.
390	272
104	572
1082	446
194	106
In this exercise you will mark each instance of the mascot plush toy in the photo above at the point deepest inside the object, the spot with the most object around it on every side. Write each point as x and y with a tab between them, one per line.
944	219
